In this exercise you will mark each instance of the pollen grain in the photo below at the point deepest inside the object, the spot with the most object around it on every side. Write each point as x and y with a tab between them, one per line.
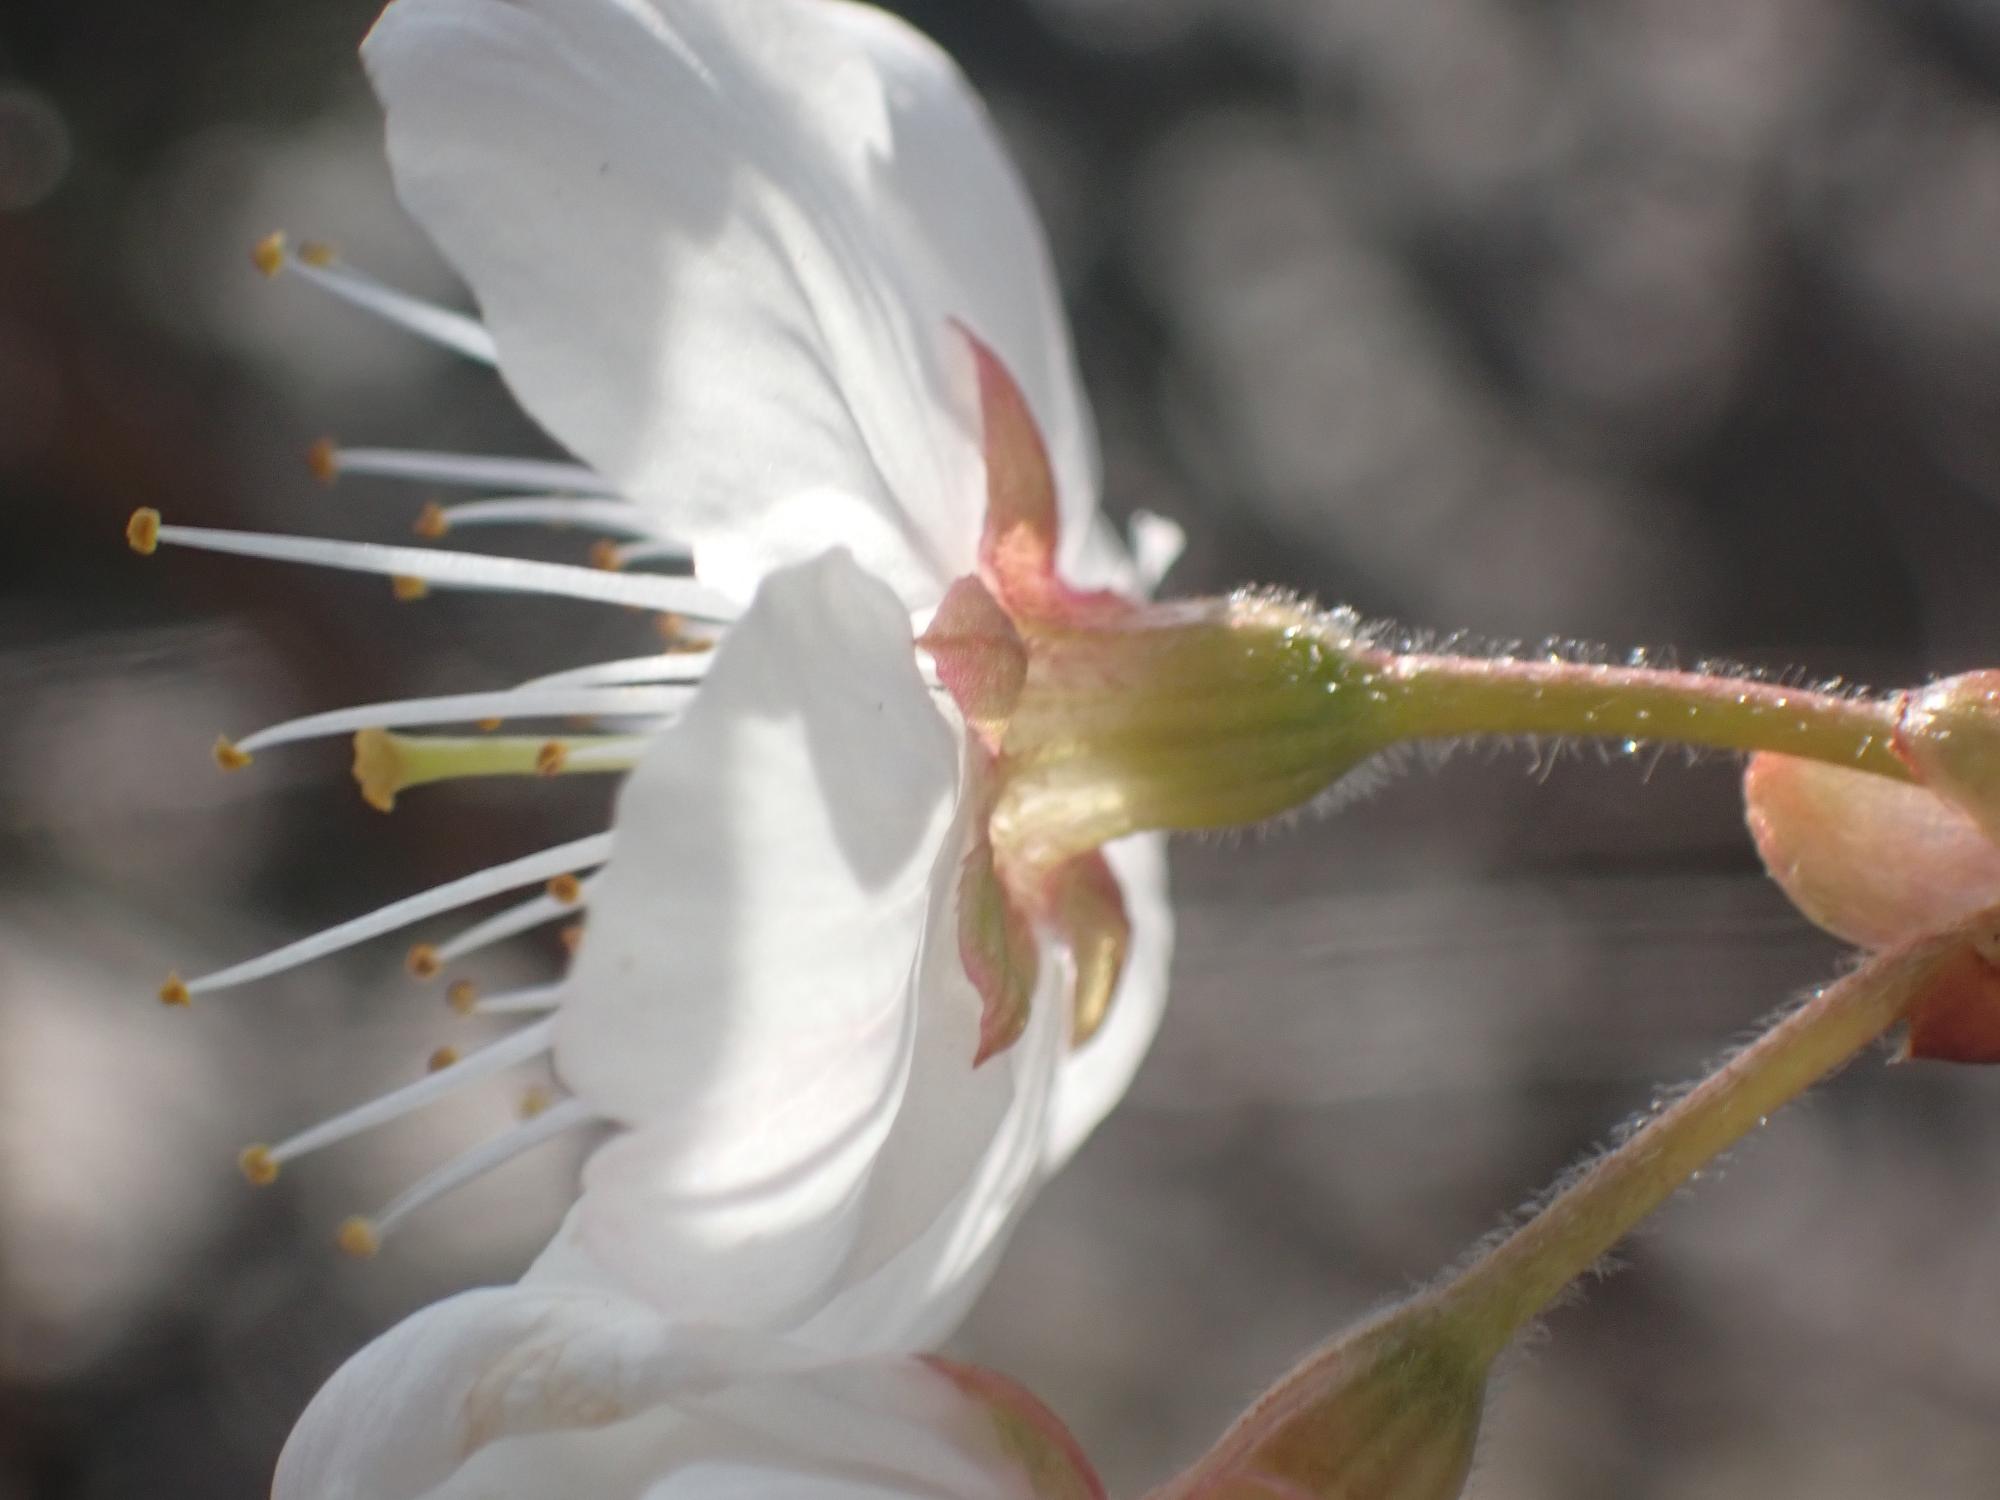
142	531
268	254
358	1238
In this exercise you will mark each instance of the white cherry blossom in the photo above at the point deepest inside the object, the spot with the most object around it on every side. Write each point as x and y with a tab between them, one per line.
742	260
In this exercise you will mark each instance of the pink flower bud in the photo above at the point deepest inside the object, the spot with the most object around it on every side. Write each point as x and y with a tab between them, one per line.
1871	860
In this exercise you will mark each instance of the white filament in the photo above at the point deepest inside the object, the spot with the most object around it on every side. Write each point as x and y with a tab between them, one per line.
669	666
618	516
506	924
472	470
658	549
518	1047
465	570
564	1115
470	708
528	870
454	331
532	1001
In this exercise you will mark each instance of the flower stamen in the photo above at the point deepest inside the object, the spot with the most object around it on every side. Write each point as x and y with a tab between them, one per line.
660	668
510	1051
532	701
535	1000
619	517
457	570
473	471
319	264
505	924
554	1118
529	870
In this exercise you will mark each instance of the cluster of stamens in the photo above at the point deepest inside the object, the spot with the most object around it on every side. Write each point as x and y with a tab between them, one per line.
397	746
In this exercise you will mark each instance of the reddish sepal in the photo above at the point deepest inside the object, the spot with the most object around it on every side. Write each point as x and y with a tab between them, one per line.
1029	1434
1017	552
980	657
996	941
1957	1017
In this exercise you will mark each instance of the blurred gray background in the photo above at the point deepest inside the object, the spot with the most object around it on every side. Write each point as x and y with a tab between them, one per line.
1651	322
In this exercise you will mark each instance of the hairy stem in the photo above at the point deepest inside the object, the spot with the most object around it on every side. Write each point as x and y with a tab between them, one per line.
1516	1281
1446	696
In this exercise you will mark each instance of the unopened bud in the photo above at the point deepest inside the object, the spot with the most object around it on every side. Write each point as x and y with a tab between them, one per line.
1871	860
1390	1411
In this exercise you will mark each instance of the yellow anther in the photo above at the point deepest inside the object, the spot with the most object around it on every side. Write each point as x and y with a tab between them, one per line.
489	725
357	1237
571	937
268	254
604	554
409	589
259	1167
462	996
551	758
175	991
379	769
431	521
423	961
317	253
674	632
441	1059
323	458
228	756
142	531
535	1101
566	889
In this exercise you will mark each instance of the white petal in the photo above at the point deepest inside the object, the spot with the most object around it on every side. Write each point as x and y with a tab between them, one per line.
522	1393
957	1169
1094	1078
745	993
719	247
404	1413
